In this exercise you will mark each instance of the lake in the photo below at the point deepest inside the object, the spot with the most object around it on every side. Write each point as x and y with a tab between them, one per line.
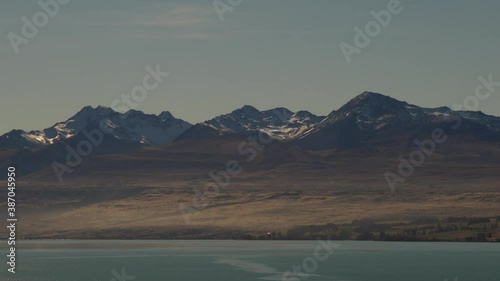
252	260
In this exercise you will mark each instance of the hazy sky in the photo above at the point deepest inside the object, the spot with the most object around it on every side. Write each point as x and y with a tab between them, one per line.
265	53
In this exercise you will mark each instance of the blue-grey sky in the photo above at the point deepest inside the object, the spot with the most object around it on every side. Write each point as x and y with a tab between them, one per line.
265	53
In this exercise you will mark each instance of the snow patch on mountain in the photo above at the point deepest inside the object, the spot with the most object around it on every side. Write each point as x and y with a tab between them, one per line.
371	112
133	125
278	122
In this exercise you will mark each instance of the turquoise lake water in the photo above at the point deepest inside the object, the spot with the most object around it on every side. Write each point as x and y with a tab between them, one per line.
252	260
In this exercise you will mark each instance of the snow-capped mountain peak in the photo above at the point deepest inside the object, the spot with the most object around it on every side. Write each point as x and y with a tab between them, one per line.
278	122
133	125
369	113
76	123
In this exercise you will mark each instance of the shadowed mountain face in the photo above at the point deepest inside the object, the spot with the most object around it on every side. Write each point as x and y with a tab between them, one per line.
370	123
370	115
359	118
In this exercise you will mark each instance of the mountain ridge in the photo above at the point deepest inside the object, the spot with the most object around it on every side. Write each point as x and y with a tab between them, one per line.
373	111
136	125
366	123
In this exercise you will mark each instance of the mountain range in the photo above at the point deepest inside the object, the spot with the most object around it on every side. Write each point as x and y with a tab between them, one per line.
370	121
